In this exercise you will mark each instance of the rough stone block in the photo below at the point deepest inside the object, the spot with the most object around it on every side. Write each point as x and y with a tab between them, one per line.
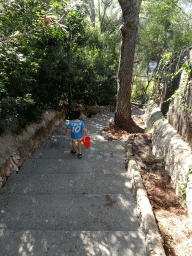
25	143
156	114
177	155
83	117
154	244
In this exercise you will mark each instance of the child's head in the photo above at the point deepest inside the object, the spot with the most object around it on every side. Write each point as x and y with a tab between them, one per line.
76	114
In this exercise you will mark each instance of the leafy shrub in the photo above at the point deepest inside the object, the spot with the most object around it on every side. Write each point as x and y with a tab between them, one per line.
140	90
39	68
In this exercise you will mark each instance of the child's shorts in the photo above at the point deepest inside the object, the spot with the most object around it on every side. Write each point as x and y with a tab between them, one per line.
75	140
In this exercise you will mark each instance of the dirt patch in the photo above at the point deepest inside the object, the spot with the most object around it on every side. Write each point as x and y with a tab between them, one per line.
172	218
116	133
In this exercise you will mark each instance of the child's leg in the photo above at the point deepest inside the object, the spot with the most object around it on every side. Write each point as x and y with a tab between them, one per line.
73	145
79	146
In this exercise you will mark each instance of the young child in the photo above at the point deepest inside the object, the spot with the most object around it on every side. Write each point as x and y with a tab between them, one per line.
77	128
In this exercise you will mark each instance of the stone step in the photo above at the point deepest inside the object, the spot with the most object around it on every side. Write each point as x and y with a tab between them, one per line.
86	154
91	183
60	205
62	243
62	147
69	212
74	166
35	184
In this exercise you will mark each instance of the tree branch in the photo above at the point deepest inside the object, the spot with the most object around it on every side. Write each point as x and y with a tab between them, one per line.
35	29
181	9
7	62
107	4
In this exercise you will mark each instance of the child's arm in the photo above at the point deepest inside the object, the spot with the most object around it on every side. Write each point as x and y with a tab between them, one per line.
85	131
67	131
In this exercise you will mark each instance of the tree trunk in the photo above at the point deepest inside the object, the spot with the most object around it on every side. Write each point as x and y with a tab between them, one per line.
99	10
106	5
130	10
93	12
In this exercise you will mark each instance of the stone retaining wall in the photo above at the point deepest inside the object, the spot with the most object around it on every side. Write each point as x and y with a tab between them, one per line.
175	98
177	154
154	242
14	149
180	111
170	83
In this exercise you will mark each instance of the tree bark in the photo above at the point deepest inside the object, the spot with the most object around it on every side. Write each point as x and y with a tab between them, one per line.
130	10
93	12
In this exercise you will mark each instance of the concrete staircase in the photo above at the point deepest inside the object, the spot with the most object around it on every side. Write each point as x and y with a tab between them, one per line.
61	205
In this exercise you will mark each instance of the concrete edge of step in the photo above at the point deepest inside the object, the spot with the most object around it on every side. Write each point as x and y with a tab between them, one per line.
153	239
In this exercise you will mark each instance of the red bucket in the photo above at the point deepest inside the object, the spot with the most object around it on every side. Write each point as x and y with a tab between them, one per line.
87	141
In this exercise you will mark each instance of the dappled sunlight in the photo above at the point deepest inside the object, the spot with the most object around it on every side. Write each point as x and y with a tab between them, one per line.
2	227
61	205
27	244
128	185
124	203
90	243
111	243
137	112
98	138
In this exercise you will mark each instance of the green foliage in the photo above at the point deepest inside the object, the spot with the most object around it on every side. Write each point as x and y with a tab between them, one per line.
163	27
179	94
183	187
140	90
49	55
95	67
165	76
110	16
29	45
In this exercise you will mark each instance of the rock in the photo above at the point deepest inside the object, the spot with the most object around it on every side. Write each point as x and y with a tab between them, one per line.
129	149
14	166
149	108
156	115
152	160
130	139
83	117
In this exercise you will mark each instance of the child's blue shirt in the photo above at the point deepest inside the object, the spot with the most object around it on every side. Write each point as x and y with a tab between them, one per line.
76	129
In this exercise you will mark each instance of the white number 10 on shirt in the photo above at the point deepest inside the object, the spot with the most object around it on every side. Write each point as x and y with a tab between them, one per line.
76	129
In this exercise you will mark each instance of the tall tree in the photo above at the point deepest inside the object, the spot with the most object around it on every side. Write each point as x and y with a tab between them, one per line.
89	6
93	12
130	11
111	16
163	27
